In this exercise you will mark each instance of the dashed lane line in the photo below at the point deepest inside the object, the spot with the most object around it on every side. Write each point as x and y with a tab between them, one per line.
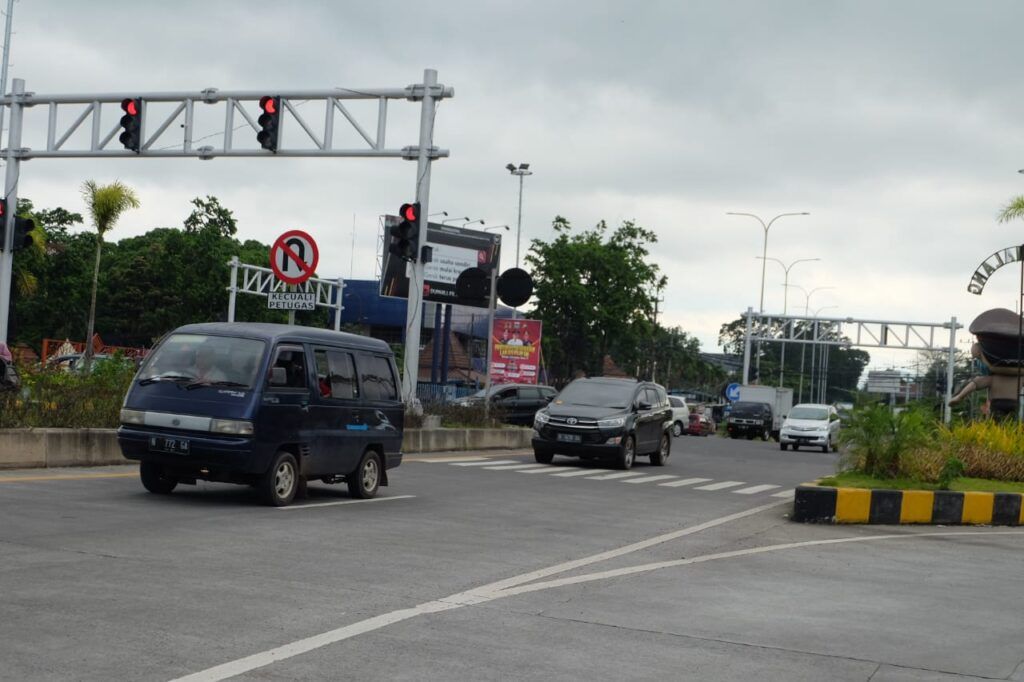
297	507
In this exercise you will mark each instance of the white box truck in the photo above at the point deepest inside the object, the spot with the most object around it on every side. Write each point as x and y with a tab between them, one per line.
780	400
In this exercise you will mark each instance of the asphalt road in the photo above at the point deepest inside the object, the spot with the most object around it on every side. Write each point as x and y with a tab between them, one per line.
485	566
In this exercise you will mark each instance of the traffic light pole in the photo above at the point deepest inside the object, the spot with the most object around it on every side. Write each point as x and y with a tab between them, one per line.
11	193
414	311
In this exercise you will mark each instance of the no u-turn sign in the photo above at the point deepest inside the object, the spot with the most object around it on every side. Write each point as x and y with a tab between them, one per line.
294	257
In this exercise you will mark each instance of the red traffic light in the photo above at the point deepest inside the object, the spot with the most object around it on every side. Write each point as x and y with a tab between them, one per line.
410	212
130	107
268	104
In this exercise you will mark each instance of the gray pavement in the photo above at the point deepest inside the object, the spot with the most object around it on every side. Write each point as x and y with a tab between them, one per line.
101	580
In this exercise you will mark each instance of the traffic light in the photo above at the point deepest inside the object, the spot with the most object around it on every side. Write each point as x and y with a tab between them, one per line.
270	122
405	234
131	138
23	228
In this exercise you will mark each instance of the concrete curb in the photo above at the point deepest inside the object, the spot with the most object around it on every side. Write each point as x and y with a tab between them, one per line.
818	504
47	448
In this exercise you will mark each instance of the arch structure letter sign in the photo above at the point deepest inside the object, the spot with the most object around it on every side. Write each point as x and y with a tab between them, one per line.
997	260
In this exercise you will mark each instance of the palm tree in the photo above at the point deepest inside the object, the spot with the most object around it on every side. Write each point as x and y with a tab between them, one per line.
1013	210
106	203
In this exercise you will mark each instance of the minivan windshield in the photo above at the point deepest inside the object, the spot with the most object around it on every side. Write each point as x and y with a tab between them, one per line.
818	413
204	360
597	394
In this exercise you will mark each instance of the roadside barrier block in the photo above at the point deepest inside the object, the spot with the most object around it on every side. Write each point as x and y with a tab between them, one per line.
820	504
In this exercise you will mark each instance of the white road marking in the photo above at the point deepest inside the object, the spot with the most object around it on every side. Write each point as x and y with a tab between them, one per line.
720	486
685	481
542	469
650	479
296	507
580	472
513	467
788	494
479	595
484	462
443	460
754	489
612	477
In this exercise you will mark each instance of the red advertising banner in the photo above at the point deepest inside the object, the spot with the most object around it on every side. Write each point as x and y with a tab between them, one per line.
516	355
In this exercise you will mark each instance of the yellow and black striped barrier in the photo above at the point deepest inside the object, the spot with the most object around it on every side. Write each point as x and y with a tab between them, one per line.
816	504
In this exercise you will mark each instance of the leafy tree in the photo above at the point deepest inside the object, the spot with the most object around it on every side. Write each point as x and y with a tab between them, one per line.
106	203
1013	210
210	215
594	294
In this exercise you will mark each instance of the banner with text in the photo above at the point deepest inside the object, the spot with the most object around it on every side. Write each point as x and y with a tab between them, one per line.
516	355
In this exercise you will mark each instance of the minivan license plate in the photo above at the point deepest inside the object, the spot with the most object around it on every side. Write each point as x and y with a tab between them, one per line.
570	438
177	446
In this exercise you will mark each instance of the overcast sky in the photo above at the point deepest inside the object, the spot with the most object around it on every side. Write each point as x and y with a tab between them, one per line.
898	126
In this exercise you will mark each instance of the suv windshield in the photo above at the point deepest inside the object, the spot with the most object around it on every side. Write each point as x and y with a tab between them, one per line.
819	413
205	360
597	394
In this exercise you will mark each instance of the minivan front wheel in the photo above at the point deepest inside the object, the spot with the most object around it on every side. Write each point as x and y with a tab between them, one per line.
153	479
279	484
627	455
365	480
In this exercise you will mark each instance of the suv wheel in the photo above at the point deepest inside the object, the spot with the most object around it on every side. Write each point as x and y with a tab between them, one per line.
627	455
660	458
543	456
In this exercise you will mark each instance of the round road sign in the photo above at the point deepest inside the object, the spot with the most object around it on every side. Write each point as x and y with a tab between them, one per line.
732	392
294	257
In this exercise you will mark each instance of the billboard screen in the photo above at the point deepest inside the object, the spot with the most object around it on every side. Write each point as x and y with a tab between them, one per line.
515	358
455	249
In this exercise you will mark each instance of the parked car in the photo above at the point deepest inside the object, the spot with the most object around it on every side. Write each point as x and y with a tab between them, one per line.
74	362
267	405
749	420
517	402
605	418
810	424
700	425
680	415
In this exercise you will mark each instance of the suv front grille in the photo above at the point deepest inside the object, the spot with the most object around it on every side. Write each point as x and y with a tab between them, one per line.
579	423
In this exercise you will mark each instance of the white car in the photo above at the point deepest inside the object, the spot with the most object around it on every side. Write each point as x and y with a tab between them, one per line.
680	415
810	424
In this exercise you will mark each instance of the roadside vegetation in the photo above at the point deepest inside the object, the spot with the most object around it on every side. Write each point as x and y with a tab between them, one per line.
913	449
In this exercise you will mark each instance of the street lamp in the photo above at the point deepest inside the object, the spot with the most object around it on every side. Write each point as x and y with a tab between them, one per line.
822	383
522	171
803	349
453	219
495	227
785	307
764	249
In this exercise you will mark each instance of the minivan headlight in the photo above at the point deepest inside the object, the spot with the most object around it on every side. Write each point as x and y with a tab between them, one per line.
137	417
613	423
234	427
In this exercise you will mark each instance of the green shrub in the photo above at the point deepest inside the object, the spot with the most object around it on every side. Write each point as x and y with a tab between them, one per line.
466	416
881	443
987	448
51	397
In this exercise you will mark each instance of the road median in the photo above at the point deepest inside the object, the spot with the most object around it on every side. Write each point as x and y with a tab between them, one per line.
822	504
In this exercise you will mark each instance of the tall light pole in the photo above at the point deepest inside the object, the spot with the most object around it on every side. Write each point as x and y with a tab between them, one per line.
522	171
807	304
785	306
764	255
764	250
821	383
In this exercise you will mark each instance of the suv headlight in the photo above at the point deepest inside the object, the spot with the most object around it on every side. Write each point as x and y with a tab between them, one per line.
612	423
133	416
541	418
233	427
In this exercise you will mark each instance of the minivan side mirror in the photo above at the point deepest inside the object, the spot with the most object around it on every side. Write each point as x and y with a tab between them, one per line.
278	376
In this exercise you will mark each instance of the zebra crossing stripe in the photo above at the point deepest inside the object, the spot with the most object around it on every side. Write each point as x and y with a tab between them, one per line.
754	489
485	462
685	481
720	486
785	494
650	479
580	472
612	477
513	467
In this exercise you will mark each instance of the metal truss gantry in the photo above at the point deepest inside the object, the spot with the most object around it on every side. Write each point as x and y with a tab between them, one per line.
847	332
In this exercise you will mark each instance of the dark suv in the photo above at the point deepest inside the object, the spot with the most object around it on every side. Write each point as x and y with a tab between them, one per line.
517	402
748	419
603	418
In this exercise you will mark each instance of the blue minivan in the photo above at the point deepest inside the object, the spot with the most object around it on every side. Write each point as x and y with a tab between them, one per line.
268	405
